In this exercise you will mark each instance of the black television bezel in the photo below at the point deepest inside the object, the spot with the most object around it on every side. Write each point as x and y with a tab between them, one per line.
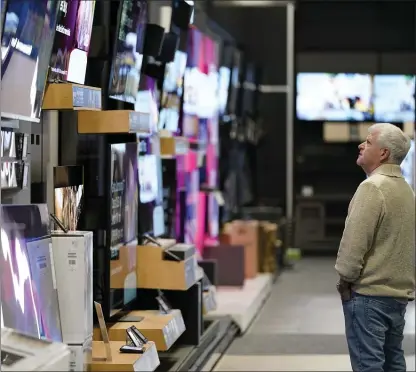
370	119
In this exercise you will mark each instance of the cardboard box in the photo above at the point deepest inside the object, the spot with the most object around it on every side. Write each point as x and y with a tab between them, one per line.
246	233
148	361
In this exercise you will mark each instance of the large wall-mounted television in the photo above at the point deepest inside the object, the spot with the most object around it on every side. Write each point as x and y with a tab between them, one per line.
394	98
128	51
334	97
29	299
172	92
26	45
151	213
72	41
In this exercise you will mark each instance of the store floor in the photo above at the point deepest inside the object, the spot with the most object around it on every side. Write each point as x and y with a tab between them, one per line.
301	326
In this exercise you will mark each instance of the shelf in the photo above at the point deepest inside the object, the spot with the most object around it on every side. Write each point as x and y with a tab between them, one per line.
67	96
172	146
148	361
113	121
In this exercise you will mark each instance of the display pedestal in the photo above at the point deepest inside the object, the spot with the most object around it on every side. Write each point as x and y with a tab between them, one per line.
163	329
189	302
166	267
67	96
148	361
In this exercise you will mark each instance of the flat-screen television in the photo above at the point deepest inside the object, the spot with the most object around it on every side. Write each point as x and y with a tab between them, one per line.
72	41
191	206
151	213
334	97
128	51
123	223
26	45
224	78
235	82
394	98
68	195
172	92
29	299
408	166
147	100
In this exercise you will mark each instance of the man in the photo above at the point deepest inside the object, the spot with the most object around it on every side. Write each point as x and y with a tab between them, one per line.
376	261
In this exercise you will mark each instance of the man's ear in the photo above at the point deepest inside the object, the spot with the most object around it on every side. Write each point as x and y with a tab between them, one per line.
385	154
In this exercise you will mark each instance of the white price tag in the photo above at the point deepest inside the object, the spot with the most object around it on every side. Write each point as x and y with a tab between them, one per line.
72	261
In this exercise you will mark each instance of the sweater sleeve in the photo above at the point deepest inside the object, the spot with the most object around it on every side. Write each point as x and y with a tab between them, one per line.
366	210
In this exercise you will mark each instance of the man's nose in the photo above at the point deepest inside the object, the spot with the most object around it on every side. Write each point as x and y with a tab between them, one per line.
361	146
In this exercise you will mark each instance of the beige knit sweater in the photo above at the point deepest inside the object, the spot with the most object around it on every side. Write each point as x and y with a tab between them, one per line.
377	249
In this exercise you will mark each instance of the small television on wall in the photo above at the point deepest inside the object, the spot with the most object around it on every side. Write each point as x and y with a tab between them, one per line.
172	92
68	195
151	213
72	41
29	299
128	51
394	98
334	97
26	46
147	100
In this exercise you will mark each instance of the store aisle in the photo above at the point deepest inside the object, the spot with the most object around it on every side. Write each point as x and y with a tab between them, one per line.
301	327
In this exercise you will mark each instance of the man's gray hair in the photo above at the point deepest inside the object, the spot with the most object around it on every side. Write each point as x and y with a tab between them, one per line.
392	138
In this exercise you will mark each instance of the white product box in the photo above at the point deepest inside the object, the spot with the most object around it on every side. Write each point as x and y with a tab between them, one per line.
72	255
80	356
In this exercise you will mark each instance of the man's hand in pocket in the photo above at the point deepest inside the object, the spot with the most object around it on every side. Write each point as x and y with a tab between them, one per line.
344	289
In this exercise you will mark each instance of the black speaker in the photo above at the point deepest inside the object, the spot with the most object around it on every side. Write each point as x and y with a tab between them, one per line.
169	47
153	40
181	14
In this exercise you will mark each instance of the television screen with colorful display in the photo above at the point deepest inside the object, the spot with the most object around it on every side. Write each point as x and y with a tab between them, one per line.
151	213
172	93
127	61
72	41
147	100
68	195
394	98
334	97
123	223
26	46
29	299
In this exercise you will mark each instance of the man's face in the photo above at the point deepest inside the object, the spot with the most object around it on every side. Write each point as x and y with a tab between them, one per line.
371	154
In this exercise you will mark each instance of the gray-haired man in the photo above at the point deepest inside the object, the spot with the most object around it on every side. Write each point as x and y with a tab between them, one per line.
376	257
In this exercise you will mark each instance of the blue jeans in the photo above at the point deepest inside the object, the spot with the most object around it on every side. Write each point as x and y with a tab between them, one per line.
374	329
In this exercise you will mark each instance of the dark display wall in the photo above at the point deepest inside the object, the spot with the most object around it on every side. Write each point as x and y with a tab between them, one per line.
332	36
